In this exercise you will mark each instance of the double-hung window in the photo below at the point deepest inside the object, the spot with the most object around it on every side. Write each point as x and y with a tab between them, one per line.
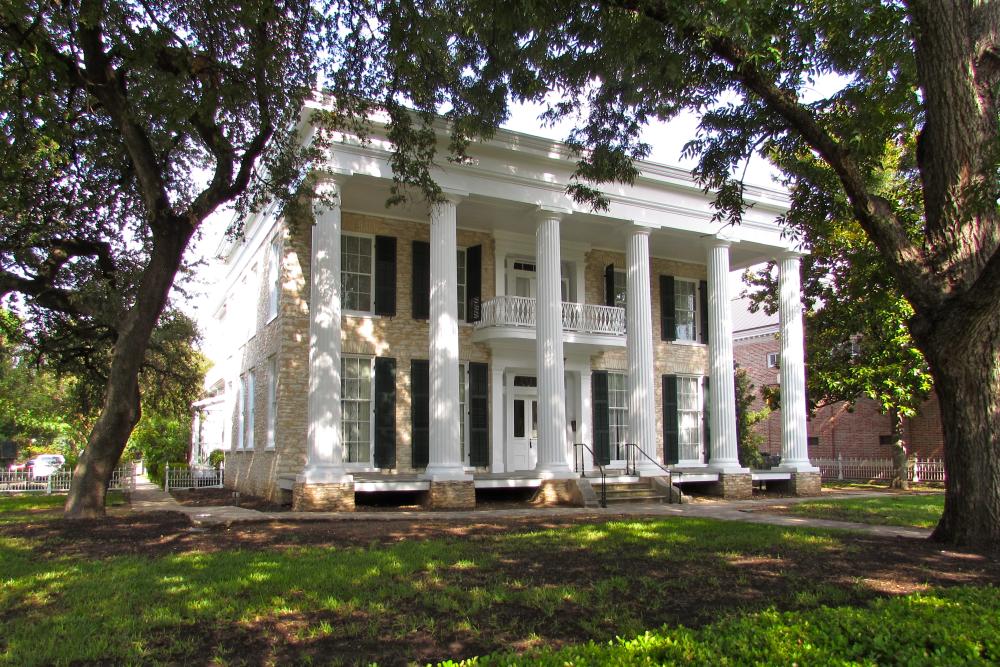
272	399
273	279
241	398
356	271
250	396
686	309
462	282
618	413
689	417
356	409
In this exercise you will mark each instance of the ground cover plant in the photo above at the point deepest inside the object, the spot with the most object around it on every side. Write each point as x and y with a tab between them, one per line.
918	510
154	588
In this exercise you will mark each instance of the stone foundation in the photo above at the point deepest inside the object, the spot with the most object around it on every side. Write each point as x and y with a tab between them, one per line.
663	485
452	495
733	486
554	492
802	484
323	497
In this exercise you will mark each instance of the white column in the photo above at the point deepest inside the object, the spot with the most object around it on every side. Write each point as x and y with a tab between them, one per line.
585	420
325	451
639	344
722	393
497	442
553	459
445	456
794	441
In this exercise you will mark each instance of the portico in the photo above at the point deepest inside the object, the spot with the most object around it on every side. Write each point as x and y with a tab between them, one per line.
489	331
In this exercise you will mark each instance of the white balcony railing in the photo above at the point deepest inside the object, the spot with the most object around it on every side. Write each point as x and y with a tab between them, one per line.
519	311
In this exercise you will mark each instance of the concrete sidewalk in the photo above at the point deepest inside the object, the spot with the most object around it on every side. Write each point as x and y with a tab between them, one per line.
149	497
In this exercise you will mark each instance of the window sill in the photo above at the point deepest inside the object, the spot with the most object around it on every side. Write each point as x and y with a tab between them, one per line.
686	342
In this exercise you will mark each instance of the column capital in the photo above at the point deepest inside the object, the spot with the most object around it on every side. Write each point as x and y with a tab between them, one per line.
547	212
790	254
718	241
330	181
635	228
452	196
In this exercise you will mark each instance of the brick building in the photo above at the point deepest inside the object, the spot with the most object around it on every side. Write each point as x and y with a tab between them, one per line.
838	429
470	344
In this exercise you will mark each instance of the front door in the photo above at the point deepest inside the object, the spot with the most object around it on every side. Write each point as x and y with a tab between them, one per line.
524	438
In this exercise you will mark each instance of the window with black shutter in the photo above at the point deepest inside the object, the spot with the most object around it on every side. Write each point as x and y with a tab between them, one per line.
385	275
671	437
668	313
421	280
479	415
609	285
703	305
602	426
474	283
385	412
420	412
704	416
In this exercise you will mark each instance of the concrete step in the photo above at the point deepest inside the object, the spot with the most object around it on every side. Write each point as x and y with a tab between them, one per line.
630	492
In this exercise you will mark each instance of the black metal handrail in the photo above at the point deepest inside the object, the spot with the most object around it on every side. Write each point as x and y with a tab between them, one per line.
630	458
580	466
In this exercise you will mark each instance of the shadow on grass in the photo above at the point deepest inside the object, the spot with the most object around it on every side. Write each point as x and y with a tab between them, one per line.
457	595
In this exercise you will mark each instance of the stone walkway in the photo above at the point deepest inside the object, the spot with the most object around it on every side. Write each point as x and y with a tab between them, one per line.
149	497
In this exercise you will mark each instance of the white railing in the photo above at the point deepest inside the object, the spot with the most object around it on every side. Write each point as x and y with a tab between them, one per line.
192	477
122	479
918	470
519	311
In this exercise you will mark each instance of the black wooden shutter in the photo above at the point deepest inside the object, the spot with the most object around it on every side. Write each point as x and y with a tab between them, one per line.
703	289
385	412
602	422
705	421
420	411
671	439
609	285
385	275
473	283
668	312
479	415
421	287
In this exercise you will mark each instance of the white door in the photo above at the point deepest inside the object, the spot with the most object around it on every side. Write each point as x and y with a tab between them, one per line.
524	438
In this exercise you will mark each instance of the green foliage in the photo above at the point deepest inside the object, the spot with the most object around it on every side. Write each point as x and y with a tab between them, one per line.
946	627
920	511
216	458
159	440
748	441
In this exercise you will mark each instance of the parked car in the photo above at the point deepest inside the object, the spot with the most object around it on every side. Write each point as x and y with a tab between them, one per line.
44	465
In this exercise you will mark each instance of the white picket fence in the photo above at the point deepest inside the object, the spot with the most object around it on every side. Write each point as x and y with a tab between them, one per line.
179	476
919	470
122	479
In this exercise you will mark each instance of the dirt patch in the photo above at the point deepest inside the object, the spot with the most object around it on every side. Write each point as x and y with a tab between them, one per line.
225	498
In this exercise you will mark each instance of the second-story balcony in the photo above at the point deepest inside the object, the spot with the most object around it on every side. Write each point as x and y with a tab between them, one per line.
513	318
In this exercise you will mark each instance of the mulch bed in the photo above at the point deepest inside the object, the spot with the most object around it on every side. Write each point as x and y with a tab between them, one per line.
863	567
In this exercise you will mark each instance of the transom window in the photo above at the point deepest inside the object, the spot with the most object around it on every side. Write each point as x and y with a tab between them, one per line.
689	417
356	408
356	268
618	413
685	308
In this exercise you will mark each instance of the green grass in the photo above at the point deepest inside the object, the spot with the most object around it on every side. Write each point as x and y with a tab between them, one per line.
523	590
16	508
951	627
920	511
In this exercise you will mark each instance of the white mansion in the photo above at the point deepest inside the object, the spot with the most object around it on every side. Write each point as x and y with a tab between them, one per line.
506	337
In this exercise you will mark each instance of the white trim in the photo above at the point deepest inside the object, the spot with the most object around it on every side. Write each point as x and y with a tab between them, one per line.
696	313
369	465
251	406
272	401
274	277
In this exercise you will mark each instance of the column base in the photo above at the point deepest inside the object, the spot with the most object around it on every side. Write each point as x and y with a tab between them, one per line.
733	486
561	472
447	474
801	484
553	492
307	497
451	495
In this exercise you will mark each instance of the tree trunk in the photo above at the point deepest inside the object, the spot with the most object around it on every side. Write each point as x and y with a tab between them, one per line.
963	350
122	409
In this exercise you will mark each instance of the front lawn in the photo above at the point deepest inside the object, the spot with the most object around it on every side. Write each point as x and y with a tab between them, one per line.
920	511
150	588
32	506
